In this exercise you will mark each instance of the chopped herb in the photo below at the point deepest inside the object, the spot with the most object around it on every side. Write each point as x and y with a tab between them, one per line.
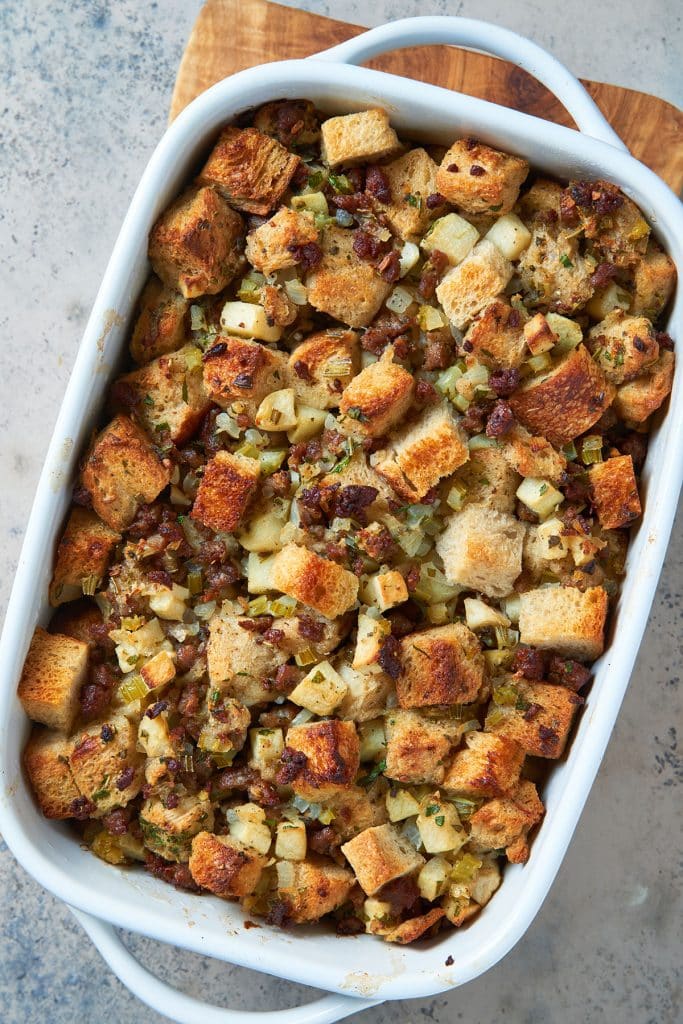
185	392
315	180
440	820
431	809
373	774
496	208
565	261
356	413
162	426
148	400
413	200
543	488
416	648
340	183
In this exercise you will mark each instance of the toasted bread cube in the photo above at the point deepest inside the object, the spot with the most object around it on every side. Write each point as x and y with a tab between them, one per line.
423	452
46	760
488	766
532	456
169	831
109	772
443	665
470	286
377	398
225	866
545	733
489	480
122	472
342	285
417	747
565	402
236	662
357	808
358	473
379	855
553	273
504	823
385	590
564	619
497	336
320	691
412	178
159	670
332	757
226	490
538	558
366	694
160	324
237	370
480	179
269	247
654	277
54	671
329	632
539	335
623	346
82	556
290	121
359	138
414	928
315	581
482	550
641	397
615	492
542	198
76	619
320	364
249	169
311	888
193	247
451	235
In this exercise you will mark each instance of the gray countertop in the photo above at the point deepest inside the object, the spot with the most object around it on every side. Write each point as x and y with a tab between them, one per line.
86	87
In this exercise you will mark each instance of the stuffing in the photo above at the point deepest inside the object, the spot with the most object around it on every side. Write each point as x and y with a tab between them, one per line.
641	397
46	760
553	274
289	121
351	139
482	550
480	179
623	346
505	822
357	808
418	746
566	620
611	221
496	336
377	398
488	766
367	690
249	169
357	473
237	662
161	322
615	492
532	456
539	559
54	671
489	479
321	365
169	831
411	178
83	556
226	491
654	278
320	758
237	370
343	285
310	888
440	666
537	716
466	289
107	771
415	927
379	855
225	866
272	246
317	582
423	452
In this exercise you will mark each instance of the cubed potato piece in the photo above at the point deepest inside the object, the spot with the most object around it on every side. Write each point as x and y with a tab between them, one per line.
367	690
377	398
480	179
236	370
320	364
482	550
328	758
249	169
82	556
225	866
451	235
109	772
539	495
489	480
270	247
532	456
385	590
497	336
654	278
414	928
291	840
467	288
277	411
315	581
343	285
311	888
418	747
543	734
412	178
553	273
193	247
487	766
504	823
379	855
564	619
641	397
566	401
46	760
122	472
623	346
440	666
609	299
423	452
401	804
169	831
54	671
351	139
371	635
486	882
226	491
161	322
510	235
236	662
320	691
615	492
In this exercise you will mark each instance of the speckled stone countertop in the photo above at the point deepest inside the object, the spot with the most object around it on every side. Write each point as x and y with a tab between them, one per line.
86	87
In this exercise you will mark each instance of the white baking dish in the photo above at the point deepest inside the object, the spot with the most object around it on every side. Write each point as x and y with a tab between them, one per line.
364	966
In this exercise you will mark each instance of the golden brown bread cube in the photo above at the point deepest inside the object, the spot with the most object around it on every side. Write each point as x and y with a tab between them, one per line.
615	492
315	581
377	398
553	273
226	491
310	888
641	397
76	619
489	479
269	247
82	556
359	138
564	619
541	199
237	370
289	121
418	747
488	766
342	285
46	760
225	866
168	831
414	928
193	247
611	221
379	855
654	277
566	401
482	550
423	452
322	364
545	732
623	346
443	665
237	662
109	772
497	335
122	472
357	808
249	169
168	394
532	456
160	324
321	758
412	178
480	179
466	289
54	671
504	823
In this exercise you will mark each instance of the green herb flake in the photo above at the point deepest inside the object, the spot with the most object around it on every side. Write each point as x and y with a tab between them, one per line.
148	400
185	392
565	261
431	809
356	413
373	774
414	200
440	820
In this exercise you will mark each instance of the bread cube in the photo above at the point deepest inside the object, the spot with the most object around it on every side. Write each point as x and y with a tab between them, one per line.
225	866
615	492
76	619
654	278
489	480
328	761
412	178
54	671
451	235
315	581
623	346
488	766
467	288
504	823
497	336
226	491
351	139
320	691
236	662
249	169
539	720
236	370
311	888
553	273
418	747
293	122
322	365
379	855
641	397
414	928
161	322
482	550
566	620
367	690
269	247
543	198
357	808
343	285
566	401
423	452
109	772
377	398
357	473
297	628
480	179
539	558
385	590
532	456
46	760
193	247
440	666
169	831
82	556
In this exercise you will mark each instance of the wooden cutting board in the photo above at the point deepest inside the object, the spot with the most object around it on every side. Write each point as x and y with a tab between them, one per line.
230	35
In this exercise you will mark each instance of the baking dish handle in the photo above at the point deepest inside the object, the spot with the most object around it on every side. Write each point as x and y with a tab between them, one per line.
481	35
184	1009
